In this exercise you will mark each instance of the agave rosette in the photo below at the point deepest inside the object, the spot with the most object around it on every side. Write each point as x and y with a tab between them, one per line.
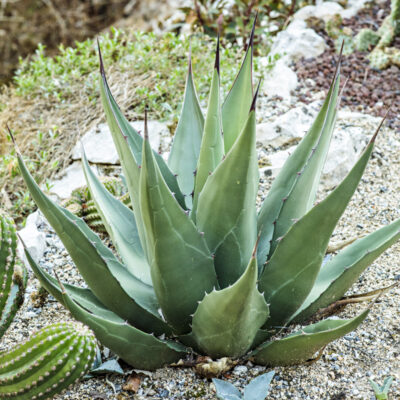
199	268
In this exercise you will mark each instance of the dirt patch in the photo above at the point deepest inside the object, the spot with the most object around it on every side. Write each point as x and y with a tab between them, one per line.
368	90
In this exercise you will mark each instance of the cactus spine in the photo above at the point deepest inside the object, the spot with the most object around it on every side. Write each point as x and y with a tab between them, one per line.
13	276
51	360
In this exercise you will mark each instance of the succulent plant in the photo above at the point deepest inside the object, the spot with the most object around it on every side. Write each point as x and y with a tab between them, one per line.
82	205
199	268
382	55
48	362
13	276
382	391
257	389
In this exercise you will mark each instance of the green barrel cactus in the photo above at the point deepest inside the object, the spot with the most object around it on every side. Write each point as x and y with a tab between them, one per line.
382	55
48	362
81	203
199	267
13	276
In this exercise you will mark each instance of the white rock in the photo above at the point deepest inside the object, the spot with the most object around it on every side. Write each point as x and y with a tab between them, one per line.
280	81
348	141
99	145
277	160
324	11
72	179
34	240
298	41
287	128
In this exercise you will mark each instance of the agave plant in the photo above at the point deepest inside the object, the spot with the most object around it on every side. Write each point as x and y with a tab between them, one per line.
199	268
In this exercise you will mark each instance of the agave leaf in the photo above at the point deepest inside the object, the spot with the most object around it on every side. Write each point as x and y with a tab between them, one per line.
187	139
226	321
128	143
109	280
258	388
238	101
303	192
120	223
302	345
226	391
340	272
212	145
290	274
288	176
137	348
230	228
181	265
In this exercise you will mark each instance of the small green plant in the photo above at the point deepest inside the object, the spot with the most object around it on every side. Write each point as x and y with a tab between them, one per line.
257	389
381	392
13	276
200	268
382	55
47	363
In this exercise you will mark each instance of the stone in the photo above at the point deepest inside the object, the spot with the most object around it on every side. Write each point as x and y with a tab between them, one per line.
279	81
298	41
324	10
72	178
99	146
35	241
287	128
348	141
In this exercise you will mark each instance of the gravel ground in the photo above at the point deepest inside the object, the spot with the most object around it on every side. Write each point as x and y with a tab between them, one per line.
345	366
368	90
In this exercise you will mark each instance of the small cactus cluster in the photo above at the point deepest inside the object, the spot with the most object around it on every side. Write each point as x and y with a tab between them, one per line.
13	276
51	360
382	55
81	204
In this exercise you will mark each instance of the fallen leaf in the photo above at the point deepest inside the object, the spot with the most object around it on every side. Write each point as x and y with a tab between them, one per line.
132	384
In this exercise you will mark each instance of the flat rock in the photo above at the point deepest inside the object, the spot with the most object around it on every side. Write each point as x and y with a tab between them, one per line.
350	136
72	178
35	241
280	81
99	146
298	41
287	128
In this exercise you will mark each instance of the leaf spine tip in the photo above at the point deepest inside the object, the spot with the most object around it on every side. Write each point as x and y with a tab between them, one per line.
380	125
251	40
146	133
13	140
216	65
102	72
253	103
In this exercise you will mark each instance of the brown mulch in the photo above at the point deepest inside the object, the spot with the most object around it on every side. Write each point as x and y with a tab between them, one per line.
368	90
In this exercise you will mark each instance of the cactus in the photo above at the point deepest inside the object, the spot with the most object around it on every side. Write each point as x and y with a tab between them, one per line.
47	363
382	55
81	204
13	276
191	272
